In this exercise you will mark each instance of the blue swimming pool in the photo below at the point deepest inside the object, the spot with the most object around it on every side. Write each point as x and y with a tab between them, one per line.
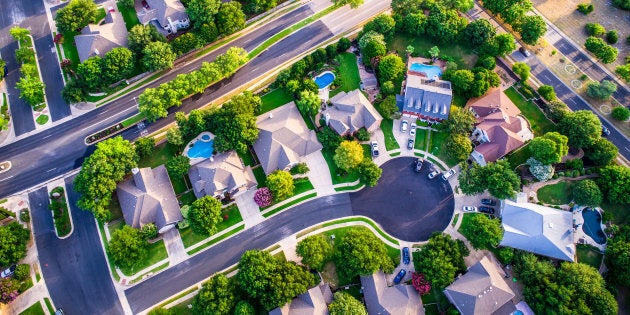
325	79
201	149
205	137
429	71
593	225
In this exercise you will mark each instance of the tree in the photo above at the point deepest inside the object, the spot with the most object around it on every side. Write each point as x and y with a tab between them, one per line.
141	35
388	88
234	125
9	290
382	24
616	258
329	139
623	4
585	8
478	32
387	107
174	136
498	178
353	3
486	62
623	71
462	81
13	238
271	282
621	113
230	17
601	50
2	65
185	43
22	272
31	90
178	165
612	37
614	182
244	308
149	231
582	127
127	247
76	15
158	56
587	193
594	29
343	44
204	215
459	122
445	25
602	152
532	27
556	110
414	24
90	72
202	11
542	172
547	92
144	146
19	34
372	44
601	91
459	5
217	296
112	159
484	80
369	172
483	232
117	64
522	70
359	252
315	251
420	283
390	68
281	184
309	103
348	155
126	3
434	52
344	303
441	259
499	45
458	147
258	6
549	148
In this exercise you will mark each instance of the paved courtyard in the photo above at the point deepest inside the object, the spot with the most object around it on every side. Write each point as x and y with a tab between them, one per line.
408	205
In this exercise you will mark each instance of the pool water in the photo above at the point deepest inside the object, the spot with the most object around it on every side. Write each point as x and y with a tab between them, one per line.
201	149
205	137
593	225
325	79
429	71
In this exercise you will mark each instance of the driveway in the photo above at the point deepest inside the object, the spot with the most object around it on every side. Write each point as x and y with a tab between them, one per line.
406	204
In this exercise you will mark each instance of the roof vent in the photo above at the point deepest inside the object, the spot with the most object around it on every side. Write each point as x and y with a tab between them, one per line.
550	225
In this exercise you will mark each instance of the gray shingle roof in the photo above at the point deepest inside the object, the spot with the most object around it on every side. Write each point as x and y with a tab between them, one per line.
221	173
380	299
314	302
350	112
538	229
427	98
148	197
482	290
162	10
284	138
99	39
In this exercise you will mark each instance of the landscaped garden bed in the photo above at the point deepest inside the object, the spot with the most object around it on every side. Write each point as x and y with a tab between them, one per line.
59	207
104	134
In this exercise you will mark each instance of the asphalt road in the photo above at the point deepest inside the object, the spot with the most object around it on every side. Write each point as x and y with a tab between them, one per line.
74	268
408	205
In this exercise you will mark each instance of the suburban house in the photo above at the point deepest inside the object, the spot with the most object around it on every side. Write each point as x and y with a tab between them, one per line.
169	14
148	197
97	40
381	299
481	291
284	139
538	229
350	112
428	99
221	175
314	302
500	128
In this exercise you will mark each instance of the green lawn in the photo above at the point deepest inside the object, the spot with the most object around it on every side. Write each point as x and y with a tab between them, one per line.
540	124
454	223
161	154
348	73
275	99
462	55
337	175
290	204
436	147
556	194
51	310
155	253
35	309
519	156
100	14
129	15
387	125
464	228
421	139
247	158
302	185
621	215
366	220
187	198
133	119
586	254
189	237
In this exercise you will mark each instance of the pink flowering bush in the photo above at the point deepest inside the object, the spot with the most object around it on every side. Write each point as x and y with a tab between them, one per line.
420	283
8	290
263	197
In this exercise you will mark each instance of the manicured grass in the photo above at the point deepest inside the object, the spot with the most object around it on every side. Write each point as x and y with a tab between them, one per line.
537	119
458	101
464	227
621	215
556	194
187	198
189	237
390	142
70	49
49	306
275	99
455	219
218	239
436	147
261	178
247	158
129	15
133	120
62	216
302	185
368	221
42	119
588	255
289	204
338	176
155	253
519	156
182	308
421	139
180	183
35	309
462	55
348	73
100	14
347	188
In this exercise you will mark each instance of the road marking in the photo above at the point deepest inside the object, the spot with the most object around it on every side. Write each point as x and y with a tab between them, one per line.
627	149
50	170
47	136
5	178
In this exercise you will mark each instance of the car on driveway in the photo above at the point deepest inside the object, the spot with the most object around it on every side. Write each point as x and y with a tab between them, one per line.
410	144
8	272
418	165
403	126
374	146
401	274
405	255
433	174
469	209
488	202
412	129
448	174
484	209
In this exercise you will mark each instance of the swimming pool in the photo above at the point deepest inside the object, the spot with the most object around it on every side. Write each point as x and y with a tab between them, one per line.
201	148
205	137
429	71
593	225
325	79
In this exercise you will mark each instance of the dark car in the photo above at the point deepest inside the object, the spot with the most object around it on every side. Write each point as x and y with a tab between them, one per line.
418	165
524	51
488	202
605	131
484	209
145	4
406	258
401	274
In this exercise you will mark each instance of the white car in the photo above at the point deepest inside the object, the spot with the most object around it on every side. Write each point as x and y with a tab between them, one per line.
469	209
412	129
433	174
374	146
447	175
403	126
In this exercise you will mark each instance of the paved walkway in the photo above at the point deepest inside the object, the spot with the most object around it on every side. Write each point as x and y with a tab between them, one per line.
174	247
248	208
319	174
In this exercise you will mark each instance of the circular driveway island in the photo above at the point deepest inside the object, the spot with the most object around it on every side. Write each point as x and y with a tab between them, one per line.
408	205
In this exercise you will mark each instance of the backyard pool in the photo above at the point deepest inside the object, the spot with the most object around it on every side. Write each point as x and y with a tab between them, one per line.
201	147
325	79
593	225
429	71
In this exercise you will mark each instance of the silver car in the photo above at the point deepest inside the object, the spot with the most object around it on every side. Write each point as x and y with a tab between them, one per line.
403	126
433	174
447	175
412	129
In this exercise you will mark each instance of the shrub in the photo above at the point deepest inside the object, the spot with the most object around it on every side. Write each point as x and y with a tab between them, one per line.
263	197
363	135
575	164
22	272
149	231
387	88
506	255
621	113
547	92
585	8
601	91
25	216
300	168
595	29
612	37
420	283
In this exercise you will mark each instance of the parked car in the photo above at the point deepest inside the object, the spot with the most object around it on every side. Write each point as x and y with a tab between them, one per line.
433	174
488	202
8	272
469	209
447	175
418	165
484	209
374	146
406	256
401	274
412	129
59	312
145	4
403	126
605	131
410	144
524	51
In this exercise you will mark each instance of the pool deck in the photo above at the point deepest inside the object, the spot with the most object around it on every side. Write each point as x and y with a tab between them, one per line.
325	91
189	145
579	232
426	61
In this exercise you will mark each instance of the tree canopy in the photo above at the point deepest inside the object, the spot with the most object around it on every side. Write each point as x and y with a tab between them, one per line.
315	251
444	25
532	27
459	122
204	215
281	184
390	68
549	148
308	103
478	32
127	247
602	152
344	303
587	193
498	178
13	239
369	172
441	259
140	36
522	70
230	17
582	127
483	232
202	11
617	253
458	147
158	56
614	181
601	50
348	155
76	15
117	64
372	44
601	90
499	45
178	165
360	252
234	124
217	296
621	113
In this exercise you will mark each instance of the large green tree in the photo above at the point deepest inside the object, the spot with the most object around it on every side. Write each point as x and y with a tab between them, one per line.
31	90
479	32
602	152
13	239
458	147
234	125
620	113
127	247
244	308
258	6
483	232
369	172
217	296
601	50
344	304
549	148
498	178
587	193
582	127
460	121
348	155
308	103
178	166
601	90
90	73
315	251
76	15
614	181
230	17
617	256
441	259
499	45
140	36
117	64
372	44
445	25
522	70
390	68
383	24
158	56
202	11
204	215
360	252
532	27
281	184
